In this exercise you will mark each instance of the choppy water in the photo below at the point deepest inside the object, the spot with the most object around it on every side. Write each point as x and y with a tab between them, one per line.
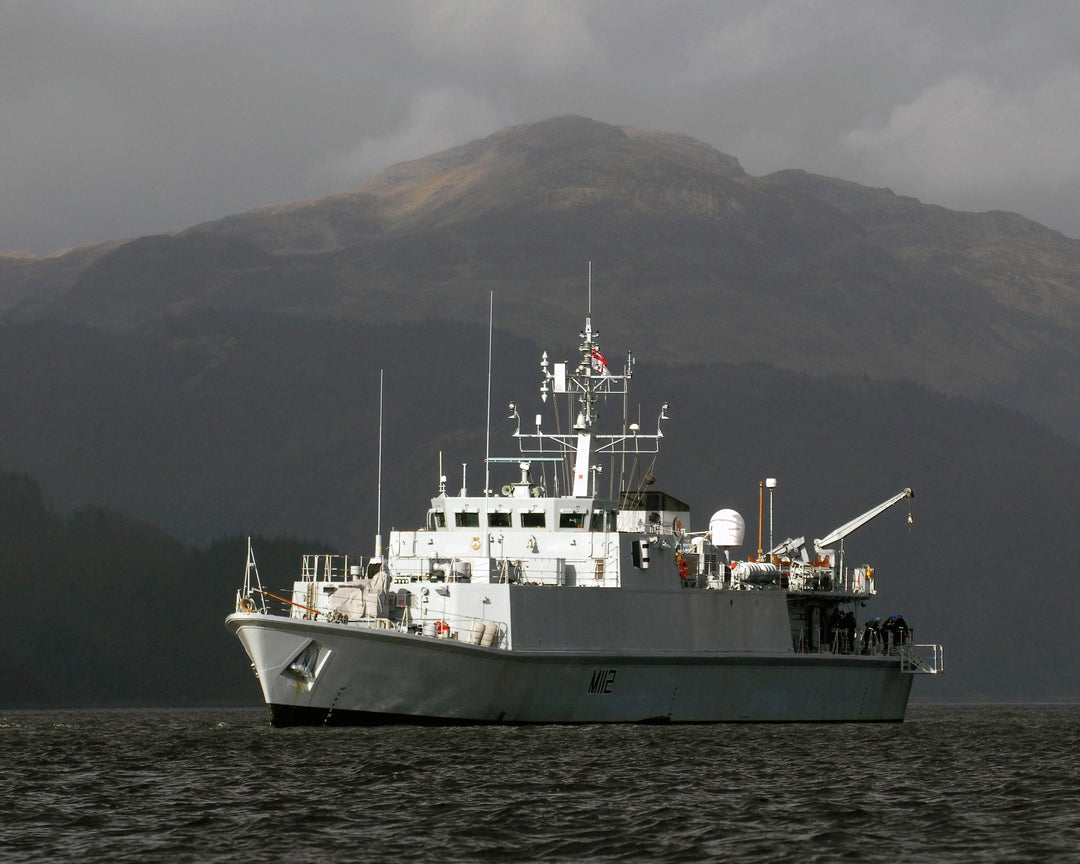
952	784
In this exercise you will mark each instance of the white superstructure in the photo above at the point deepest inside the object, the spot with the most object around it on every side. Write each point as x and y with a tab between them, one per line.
551	600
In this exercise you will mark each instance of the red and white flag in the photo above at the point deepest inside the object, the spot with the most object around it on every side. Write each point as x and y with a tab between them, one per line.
599	363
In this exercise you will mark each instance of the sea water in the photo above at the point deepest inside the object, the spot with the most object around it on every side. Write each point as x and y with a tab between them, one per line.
951	784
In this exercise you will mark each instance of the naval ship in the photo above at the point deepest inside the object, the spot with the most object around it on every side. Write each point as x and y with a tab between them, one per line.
549	601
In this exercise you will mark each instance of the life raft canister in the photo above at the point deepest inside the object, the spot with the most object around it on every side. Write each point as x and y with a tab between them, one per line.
442	628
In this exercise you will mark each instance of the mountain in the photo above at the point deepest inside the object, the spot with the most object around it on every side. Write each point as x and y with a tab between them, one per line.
109	611
170	391
223	424
699	259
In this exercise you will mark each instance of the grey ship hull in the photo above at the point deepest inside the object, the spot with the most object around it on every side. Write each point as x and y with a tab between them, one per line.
360	676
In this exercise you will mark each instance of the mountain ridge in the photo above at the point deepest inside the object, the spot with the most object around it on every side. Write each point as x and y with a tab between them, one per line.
849	341
810	273
220	424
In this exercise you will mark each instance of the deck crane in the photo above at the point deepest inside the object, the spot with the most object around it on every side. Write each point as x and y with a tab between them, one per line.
792	546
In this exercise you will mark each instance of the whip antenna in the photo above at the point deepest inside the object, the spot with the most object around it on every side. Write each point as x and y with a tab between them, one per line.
378	485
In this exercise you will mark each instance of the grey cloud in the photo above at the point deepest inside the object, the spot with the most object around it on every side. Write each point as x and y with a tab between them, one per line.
125	118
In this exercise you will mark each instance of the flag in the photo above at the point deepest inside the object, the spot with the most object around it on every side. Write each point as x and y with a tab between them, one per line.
599	363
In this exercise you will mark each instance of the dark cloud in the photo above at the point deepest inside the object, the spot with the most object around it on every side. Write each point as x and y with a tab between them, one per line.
127	117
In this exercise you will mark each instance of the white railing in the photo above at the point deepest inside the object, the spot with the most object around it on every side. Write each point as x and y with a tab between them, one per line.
325	568
922	659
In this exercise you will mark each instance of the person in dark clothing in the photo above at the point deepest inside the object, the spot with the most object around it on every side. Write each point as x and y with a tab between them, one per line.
890	634
848	625
871	635
832	627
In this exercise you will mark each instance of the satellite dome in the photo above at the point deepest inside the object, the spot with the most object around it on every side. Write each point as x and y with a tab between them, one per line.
726	528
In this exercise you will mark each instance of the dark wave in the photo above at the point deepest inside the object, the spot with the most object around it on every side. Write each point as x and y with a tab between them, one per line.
952	784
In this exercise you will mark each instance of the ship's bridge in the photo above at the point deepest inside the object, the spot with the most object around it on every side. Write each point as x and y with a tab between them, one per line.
545	514
652	511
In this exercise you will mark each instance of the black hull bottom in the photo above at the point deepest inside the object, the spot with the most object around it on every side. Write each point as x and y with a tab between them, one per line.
296	715
282	716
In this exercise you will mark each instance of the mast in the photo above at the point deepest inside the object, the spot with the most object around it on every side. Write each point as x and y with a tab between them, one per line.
487	433
378	484
589	381
486	534
586	417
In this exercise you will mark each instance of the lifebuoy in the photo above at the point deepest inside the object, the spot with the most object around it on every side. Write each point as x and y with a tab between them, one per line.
247	605
442	628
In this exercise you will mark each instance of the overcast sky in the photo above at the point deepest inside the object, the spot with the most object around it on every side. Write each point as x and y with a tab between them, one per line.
120	118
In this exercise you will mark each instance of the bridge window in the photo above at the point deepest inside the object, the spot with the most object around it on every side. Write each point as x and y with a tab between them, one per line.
467	520
571	520
603	520
532	520
436	519
498	520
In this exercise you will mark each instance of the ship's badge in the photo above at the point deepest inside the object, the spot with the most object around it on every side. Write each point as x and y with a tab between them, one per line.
475	543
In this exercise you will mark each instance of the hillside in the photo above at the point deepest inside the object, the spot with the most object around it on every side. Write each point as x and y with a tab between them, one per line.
699	260
105	610
212	425
169	391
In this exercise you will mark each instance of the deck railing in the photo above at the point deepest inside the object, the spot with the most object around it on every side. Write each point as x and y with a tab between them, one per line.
922	659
